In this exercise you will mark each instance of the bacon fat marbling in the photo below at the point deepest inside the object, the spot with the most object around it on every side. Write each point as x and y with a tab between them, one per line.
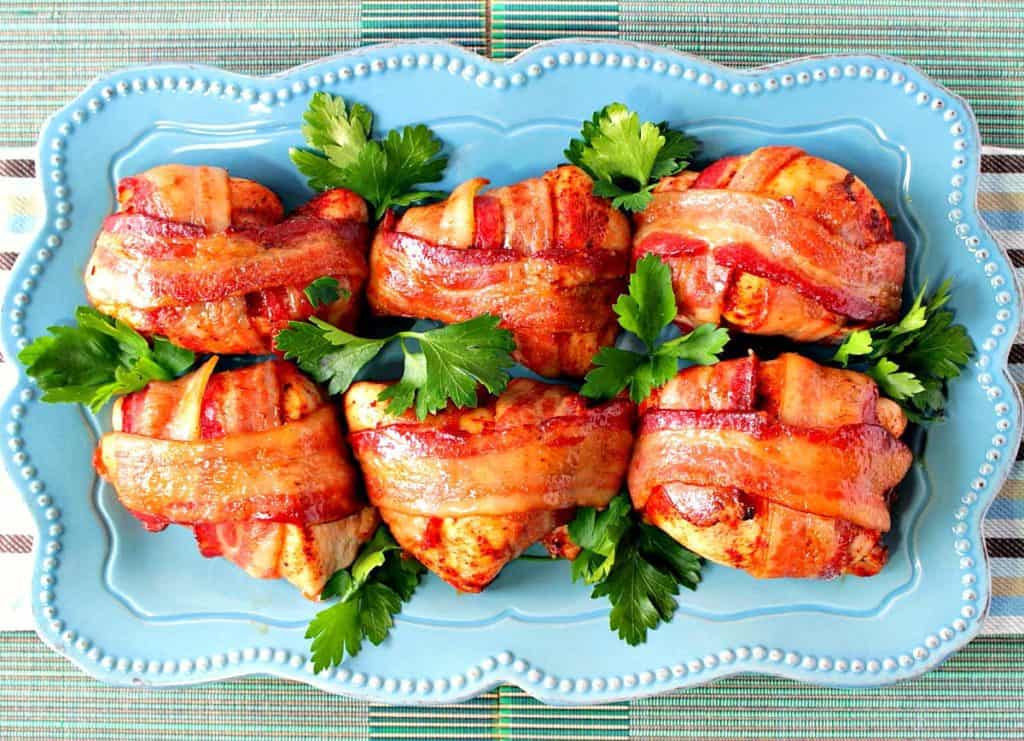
781	467
545	255
254	460
776	242
465	491
206	259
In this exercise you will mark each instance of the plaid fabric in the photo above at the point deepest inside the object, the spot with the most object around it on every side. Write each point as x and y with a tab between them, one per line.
49	50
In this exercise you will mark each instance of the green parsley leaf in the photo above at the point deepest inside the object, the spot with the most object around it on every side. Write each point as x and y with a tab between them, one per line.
98	359
650	304
642	596
305	343
324	290
327	123
385	172
614	369
638	567
857	343
896	384
441	365
339	368
626	156
598	533
646	310
702	346
913	359
370	592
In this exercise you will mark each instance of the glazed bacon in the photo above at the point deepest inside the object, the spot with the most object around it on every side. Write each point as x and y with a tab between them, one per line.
252	459
545	255
782	467
206	260
466	491
776	242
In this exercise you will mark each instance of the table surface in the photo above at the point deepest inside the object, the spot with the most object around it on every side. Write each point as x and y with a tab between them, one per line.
49	50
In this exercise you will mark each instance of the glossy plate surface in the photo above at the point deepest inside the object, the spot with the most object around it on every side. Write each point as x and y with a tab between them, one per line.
134	608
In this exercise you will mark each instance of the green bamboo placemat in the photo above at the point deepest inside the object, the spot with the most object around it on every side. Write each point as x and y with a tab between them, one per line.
49	50
975	695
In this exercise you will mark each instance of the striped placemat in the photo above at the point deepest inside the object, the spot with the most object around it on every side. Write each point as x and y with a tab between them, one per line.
50	49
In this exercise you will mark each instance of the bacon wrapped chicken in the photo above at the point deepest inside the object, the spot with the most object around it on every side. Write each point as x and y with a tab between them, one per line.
254	460
545	255
206	260
776	242
783	468
466	491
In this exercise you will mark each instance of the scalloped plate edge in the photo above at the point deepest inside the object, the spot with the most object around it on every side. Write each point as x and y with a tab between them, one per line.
492	671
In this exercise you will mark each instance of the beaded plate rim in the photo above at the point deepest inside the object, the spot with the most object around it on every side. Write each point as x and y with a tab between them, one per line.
504	666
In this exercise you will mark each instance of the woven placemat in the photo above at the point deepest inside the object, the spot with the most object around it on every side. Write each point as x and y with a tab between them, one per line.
49	50
976	695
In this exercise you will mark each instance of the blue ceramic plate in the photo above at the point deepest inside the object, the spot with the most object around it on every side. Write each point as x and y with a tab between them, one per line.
132	608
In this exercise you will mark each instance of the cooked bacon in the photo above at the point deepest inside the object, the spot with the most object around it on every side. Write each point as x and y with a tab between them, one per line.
305	555
545	255
465	491
776	243
206	260
782	467
253	459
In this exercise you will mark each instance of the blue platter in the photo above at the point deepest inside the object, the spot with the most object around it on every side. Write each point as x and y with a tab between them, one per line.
132	608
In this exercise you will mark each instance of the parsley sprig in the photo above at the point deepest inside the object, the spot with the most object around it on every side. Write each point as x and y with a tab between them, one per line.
913	360
99	358
324	290
645	311
441	365
638	567
370	592
342	154
627	157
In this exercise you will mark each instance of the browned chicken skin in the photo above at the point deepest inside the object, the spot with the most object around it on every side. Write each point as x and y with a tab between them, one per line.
252	459
776	242
466	491
545	255
781	468
206	260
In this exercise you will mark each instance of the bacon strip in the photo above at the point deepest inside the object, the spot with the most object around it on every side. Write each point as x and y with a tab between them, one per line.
545	255
775	242
761	236
845	472
780	467
292	253
465	491
495	471
763	537
288	474
206	260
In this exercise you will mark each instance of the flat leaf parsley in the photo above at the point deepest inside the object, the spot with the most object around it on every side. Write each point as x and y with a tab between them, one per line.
324	290
370	592
441	365
627	157
386	172
645	311
98	359
638	567
913	359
